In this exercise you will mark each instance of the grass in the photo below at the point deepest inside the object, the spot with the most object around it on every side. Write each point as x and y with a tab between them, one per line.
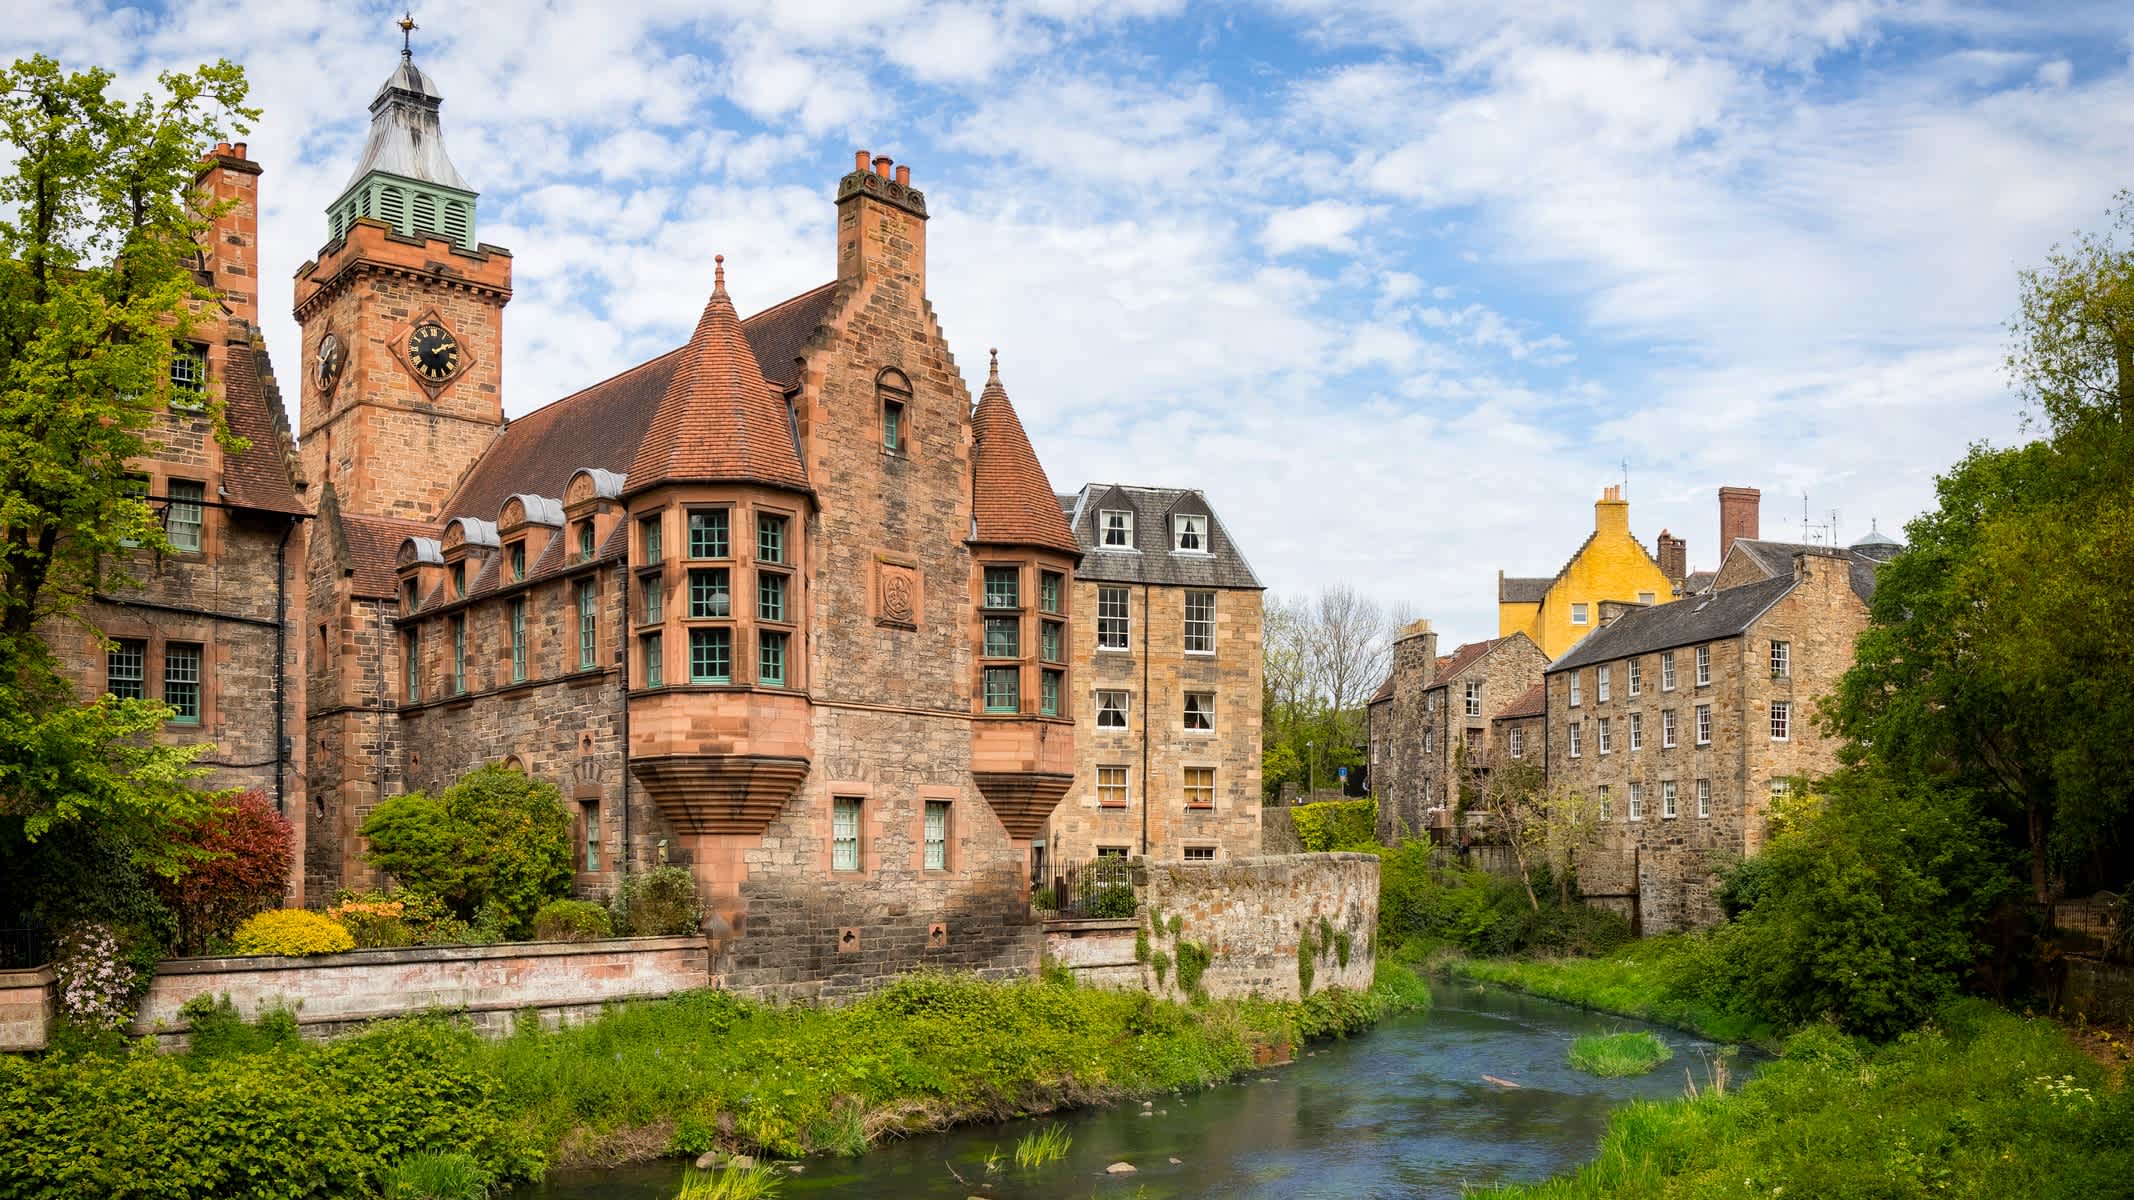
434	1177
731	1183
1040	1146
1978	1104
1642	980
1613	1055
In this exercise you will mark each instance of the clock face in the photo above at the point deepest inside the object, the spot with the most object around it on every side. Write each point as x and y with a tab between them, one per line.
433	352
332	356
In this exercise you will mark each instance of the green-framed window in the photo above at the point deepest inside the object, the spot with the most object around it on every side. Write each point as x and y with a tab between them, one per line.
708	533
1049	692
710	592
1003	689
770	657
1049	586
655	588
653	648
188	512
1003	637
518	641
651	539
1003	587
1051	640
770	538
770	596
126	669
459	655
711	656
588	626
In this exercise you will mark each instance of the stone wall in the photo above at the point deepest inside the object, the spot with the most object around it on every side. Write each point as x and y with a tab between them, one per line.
1396	733
560	980
25	1008
1278	830
1249	914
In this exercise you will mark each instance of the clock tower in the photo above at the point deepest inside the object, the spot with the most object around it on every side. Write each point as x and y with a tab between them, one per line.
402	315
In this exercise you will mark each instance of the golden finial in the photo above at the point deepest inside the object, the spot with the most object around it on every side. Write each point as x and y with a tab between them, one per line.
407	33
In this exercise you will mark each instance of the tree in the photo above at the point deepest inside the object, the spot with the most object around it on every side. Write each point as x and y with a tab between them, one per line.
246	849
1542	826
494	840
1995	658
1322	656
99	237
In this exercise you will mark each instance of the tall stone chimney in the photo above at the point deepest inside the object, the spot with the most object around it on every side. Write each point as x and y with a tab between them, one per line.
881	225
1673	554
1740	515
226	176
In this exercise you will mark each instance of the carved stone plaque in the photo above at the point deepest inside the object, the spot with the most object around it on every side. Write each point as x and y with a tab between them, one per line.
896	595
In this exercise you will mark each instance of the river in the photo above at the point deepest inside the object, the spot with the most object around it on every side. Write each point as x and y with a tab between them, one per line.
1402	1111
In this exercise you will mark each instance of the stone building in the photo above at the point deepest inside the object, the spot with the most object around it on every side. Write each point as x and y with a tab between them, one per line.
1555	611
1166	651
1433	728
1679	723
779	604
210	627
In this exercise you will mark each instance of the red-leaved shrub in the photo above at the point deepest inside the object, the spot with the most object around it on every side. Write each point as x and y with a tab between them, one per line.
248	848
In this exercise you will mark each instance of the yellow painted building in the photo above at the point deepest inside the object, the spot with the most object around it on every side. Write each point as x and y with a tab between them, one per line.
1556	611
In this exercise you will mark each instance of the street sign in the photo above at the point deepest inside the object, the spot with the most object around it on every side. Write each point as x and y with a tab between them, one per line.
1343	772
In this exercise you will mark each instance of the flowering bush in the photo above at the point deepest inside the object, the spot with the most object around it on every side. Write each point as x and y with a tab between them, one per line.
97	986
294	932
247	850
379	920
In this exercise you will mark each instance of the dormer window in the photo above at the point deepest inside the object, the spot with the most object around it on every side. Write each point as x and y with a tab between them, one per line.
585	541
1189	533
518	561
1118	528
459	580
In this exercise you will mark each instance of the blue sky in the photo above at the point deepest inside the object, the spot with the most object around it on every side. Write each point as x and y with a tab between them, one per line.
1401	285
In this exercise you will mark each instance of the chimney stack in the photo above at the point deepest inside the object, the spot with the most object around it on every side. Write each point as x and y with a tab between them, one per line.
225	175
881	225
1673	555
1740	513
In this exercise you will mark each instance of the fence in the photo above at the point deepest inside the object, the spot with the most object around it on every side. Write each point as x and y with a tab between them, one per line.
24	946
1103	887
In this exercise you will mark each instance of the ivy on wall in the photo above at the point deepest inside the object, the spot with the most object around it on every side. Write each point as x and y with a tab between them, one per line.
1337	824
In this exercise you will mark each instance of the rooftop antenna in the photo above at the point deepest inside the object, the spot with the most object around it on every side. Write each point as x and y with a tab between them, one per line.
1626	478
407	35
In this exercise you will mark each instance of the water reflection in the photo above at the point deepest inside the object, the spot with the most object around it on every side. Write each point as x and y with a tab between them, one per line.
1403	1112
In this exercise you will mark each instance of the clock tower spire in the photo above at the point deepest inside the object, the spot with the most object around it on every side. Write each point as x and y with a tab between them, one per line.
402	314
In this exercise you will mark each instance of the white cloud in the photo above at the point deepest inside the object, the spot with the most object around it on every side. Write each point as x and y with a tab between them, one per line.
1319	225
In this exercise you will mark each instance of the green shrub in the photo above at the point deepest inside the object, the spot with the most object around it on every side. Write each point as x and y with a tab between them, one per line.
1614	1055
1306	953
495	840
294	932
380	920
1337	824
215	1030
657	903
1141	945
1193	960
1865	909
1341	948
1116	901
434	1176
571	921
1161	961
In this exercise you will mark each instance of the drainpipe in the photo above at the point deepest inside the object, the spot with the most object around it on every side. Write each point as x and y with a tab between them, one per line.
281	667
622	636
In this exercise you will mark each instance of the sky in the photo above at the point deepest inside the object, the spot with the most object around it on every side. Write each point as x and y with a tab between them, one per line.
1401	286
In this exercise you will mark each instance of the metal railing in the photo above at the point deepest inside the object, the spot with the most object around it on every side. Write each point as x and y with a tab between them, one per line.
24	946
1102	887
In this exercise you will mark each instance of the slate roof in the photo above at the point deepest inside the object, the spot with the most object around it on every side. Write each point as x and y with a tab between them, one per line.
1516	590
1384	692
1722	614
1776	558
1152	560
1012	503
603	425
1697	581
719	418
262	477
372	545
1534	702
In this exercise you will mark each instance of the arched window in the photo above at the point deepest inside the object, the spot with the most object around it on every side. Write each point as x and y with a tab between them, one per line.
893	393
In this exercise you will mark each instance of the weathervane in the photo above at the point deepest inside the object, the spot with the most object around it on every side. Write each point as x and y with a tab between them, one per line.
407	34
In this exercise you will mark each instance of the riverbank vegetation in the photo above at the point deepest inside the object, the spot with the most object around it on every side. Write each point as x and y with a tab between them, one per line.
1977	1102
255	1110
1614	1055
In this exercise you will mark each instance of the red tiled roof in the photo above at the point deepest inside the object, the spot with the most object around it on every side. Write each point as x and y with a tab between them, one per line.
261	477
605	425
720	418
373	545
1012	501
1384	692
1534	702
1459	660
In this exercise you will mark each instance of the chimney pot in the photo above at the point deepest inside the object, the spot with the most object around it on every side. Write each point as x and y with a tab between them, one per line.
239	147
903	176
859	161
881	165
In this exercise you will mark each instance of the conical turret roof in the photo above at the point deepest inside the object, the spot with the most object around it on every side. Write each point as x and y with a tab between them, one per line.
406	138
1013	502
719	419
